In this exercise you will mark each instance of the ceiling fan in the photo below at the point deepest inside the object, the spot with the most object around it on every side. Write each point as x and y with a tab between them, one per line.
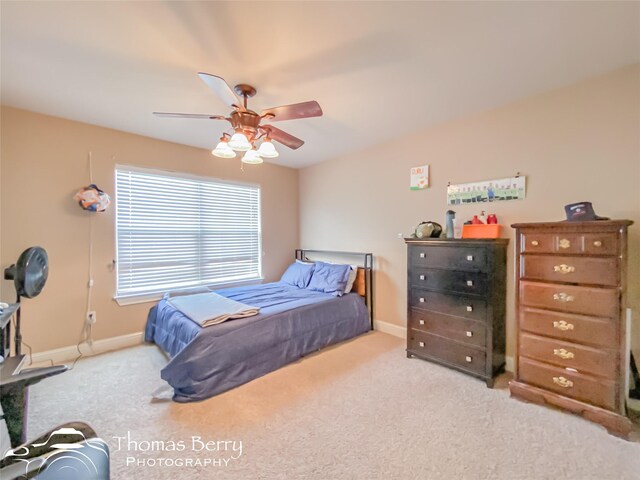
247	124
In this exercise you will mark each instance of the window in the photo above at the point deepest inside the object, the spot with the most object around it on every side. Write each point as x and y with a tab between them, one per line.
178	231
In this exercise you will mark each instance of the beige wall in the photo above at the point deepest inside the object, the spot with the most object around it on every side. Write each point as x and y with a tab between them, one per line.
574	144
44	162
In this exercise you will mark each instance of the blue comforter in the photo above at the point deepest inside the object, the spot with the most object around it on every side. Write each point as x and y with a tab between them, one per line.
292	323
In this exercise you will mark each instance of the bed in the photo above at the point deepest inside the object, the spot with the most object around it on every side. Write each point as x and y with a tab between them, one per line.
292	323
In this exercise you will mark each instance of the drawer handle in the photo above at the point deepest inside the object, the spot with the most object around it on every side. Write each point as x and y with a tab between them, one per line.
563	297
421	277
562	353
469	308
469	283
597	243
422	255
470	258
564	243
421	300
535	243
563	382
468	359
469	334
562	325
421	344
564	268
421	322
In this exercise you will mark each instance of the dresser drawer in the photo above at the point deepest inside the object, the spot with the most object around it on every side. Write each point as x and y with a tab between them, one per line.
474	308
453	281
443	350
557	268
550	243
600	243
597	391
570	243
565	326
470	259
602	302
454	328
594	361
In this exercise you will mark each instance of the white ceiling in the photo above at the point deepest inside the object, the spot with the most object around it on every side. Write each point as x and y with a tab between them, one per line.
378	70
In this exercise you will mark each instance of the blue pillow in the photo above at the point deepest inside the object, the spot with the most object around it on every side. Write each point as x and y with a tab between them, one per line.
298	274
329	278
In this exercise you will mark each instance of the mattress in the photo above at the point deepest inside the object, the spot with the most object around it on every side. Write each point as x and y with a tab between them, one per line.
292	322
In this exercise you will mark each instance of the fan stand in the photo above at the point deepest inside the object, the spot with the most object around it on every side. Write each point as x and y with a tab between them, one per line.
17	335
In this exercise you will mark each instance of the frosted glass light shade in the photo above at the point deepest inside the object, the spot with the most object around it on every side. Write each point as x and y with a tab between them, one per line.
239	142
268	150
252	158
223	150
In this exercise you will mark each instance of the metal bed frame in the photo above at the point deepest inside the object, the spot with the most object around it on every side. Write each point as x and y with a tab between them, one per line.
365	262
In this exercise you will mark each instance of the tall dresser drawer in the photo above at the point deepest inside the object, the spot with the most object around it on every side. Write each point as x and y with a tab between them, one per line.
538	242
595	361
450	280
454	328
556	268
566	326
587	243
471	259
600	243
596	391
602	302
447	351
474	308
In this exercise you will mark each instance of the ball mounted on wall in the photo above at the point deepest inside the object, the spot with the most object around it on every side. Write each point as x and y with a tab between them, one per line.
92	198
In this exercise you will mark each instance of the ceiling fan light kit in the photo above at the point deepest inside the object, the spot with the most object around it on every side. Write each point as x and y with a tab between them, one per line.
252	157
239	142
267	149
247	124
223	150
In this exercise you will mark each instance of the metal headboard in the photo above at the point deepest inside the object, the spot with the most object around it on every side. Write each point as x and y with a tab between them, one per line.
365	261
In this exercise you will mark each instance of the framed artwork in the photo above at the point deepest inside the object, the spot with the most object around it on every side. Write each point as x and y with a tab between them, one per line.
498	190
419	177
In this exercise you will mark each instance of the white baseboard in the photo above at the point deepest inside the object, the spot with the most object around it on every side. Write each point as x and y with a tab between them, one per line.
508	364
398	331
60	355
390	328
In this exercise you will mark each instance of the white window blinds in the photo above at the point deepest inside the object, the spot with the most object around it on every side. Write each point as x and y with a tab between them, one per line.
178	231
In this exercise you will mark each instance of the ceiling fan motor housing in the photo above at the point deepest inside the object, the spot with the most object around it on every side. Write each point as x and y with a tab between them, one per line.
246	122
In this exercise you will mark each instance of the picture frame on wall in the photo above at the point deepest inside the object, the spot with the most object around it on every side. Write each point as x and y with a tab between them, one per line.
498	190
419	178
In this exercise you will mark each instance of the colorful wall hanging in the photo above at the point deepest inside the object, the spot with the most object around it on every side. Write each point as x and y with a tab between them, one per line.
498	190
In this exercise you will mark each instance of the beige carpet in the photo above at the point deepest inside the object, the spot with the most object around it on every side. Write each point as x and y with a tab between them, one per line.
360	410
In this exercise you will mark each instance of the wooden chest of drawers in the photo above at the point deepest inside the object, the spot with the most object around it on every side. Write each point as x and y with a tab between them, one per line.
456	304
572	336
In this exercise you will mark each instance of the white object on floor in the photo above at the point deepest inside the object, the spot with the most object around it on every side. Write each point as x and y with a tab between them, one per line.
163	393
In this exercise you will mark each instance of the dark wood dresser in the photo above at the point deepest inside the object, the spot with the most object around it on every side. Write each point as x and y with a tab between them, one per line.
456	304
572	348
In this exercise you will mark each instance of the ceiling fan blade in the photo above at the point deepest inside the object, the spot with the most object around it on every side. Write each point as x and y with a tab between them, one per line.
189	115
291	112
282	137
222	89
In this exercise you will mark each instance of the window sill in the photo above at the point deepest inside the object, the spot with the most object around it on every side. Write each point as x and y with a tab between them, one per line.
155	296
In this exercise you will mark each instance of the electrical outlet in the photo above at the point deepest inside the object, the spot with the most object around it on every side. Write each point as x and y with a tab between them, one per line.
91	317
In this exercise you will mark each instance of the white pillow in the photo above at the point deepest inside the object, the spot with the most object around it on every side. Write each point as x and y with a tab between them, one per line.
352	278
